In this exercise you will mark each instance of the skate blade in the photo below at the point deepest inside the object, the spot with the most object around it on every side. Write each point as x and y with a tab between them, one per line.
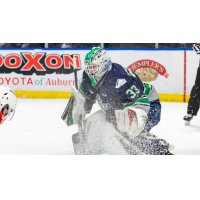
187	123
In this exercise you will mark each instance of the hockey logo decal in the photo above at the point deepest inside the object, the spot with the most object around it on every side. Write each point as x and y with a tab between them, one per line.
148	70
26	63
120	83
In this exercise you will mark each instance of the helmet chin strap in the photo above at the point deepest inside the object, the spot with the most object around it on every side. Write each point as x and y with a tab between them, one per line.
5	117
9	116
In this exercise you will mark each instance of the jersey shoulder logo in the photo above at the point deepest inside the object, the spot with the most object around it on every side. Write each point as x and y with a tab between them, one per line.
120	83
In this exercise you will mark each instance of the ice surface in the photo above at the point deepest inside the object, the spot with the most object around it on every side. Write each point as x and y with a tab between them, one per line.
37	129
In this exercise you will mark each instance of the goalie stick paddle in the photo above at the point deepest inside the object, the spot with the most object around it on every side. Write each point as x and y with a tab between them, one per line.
68	111
69	106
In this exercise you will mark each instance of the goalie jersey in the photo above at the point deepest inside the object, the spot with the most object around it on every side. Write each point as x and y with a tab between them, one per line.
118	88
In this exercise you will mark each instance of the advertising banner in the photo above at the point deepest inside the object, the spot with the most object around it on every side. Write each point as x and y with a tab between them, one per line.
40	73
49	73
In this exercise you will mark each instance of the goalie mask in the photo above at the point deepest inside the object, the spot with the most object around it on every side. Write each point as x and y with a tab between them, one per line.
8	102
97	63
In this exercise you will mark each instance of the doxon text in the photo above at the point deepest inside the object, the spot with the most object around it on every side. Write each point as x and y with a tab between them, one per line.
26	63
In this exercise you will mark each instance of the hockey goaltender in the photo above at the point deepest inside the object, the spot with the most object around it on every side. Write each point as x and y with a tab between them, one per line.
129	110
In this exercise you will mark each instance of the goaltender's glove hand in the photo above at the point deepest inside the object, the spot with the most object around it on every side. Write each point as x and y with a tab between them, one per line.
131	120
77	108
196	48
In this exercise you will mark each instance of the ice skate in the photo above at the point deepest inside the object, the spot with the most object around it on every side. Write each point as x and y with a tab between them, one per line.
169	153
187	119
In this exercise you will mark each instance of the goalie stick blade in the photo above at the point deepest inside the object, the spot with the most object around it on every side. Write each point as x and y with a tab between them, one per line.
67	114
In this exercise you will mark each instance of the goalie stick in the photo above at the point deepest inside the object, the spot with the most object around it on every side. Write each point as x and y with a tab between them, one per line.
68	111
80	120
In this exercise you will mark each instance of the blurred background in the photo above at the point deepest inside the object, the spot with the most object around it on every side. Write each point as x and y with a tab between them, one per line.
89	45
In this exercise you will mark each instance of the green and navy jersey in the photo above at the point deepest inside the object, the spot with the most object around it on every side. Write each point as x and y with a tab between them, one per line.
118	89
